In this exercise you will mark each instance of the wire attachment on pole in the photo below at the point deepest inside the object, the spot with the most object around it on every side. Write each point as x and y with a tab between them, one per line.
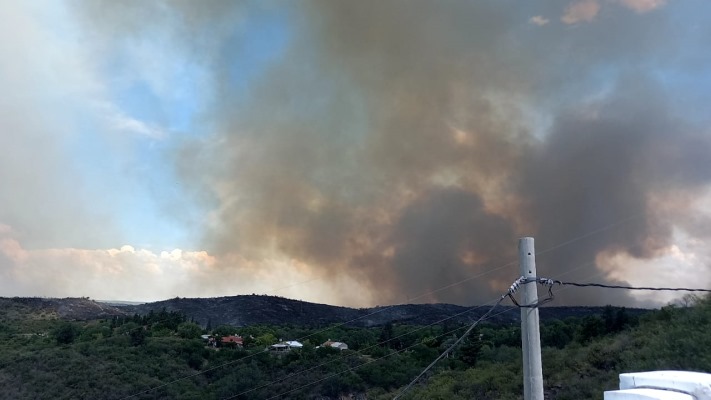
522	281
515	285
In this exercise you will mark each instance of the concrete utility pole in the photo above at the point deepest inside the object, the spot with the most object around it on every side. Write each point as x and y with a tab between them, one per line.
530	334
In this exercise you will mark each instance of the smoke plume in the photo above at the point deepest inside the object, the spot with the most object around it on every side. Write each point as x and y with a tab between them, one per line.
406	145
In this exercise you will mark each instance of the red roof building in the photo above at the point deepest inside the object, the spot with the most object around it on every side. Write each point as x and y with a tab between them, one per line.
238	340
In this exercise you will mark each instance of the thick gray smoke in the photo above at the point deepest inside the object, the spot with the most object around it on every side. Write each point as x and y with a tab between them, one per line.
633	164
408	144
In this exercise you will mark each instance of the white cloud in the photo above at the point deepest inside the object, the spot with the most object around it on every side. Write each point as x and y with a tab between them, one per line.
679	265
119	121
587	10
643	6
581	11
538	20
129	273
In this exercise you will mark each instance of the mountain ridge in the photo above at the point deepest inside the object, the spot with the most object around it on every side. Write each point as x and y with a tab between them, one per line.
245	310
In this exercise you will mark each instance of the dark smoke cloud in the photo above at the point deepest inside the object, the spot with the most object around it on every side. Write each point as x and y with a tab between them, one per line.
440	238
349	156
611	167
407	144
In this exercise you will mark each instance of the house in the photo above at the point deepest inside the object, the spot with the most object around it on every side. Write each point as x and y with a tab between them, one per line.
233	340
285	346
335	345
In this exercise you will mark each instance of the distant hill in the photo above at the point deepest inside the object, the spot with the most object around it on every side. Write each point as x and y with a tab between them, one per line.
79	308
120	302
253	309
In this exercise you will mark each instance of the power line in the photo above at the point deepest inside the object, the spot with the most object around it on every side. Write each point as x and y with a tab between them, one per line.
514	287
659	289
450	348
596	231
551	282
509	294
468	310
517	283
350	369
312	334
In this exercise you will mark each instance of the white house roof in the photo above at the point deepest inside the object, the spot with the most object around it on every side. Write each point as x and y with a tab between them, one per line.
289	343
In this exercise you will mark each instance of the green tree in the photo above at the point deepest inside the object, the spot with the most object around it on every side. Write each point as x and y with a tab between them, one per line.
138	336
622	319
66	333
95	332
266	339
470	349
386	335
591	327
224	330
556	333
128	327
189	330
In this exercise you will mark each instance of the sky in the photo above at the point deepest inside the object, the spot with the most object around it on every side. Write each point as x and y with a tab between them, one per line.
353	153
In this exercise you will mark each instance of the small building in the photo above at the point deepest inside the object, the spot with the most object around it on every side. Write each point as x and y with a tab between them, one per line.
233	340
286	346
336	345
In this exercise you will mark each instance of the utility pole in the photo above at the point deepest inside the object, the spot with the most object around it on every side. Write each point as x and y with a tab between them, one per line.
530	334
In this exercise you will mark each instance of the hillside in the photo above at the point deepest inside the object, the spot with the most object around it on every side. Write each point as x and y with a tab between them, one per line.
161	355
254	310
251	310
72	308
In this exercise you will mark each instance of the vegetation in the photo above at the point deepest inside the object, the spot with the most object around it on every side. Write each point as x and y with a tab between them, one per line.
45	357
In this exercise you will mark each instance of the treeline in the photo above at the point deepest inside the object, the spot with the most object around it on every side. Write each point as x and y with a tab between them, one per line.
140	355
583	357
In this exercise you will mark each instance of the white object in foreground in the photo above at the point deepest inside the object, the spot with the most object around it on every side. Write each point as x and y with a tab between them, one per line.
672	385
646	394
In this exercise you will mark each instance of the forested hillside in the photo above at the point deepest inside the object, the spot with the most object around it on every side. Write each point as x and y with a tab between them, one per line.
161	356
246	310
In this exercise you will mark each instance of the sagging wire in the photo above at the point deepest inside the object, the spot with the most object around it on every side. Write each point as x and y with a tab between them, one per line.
522	281
549	283
512	289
